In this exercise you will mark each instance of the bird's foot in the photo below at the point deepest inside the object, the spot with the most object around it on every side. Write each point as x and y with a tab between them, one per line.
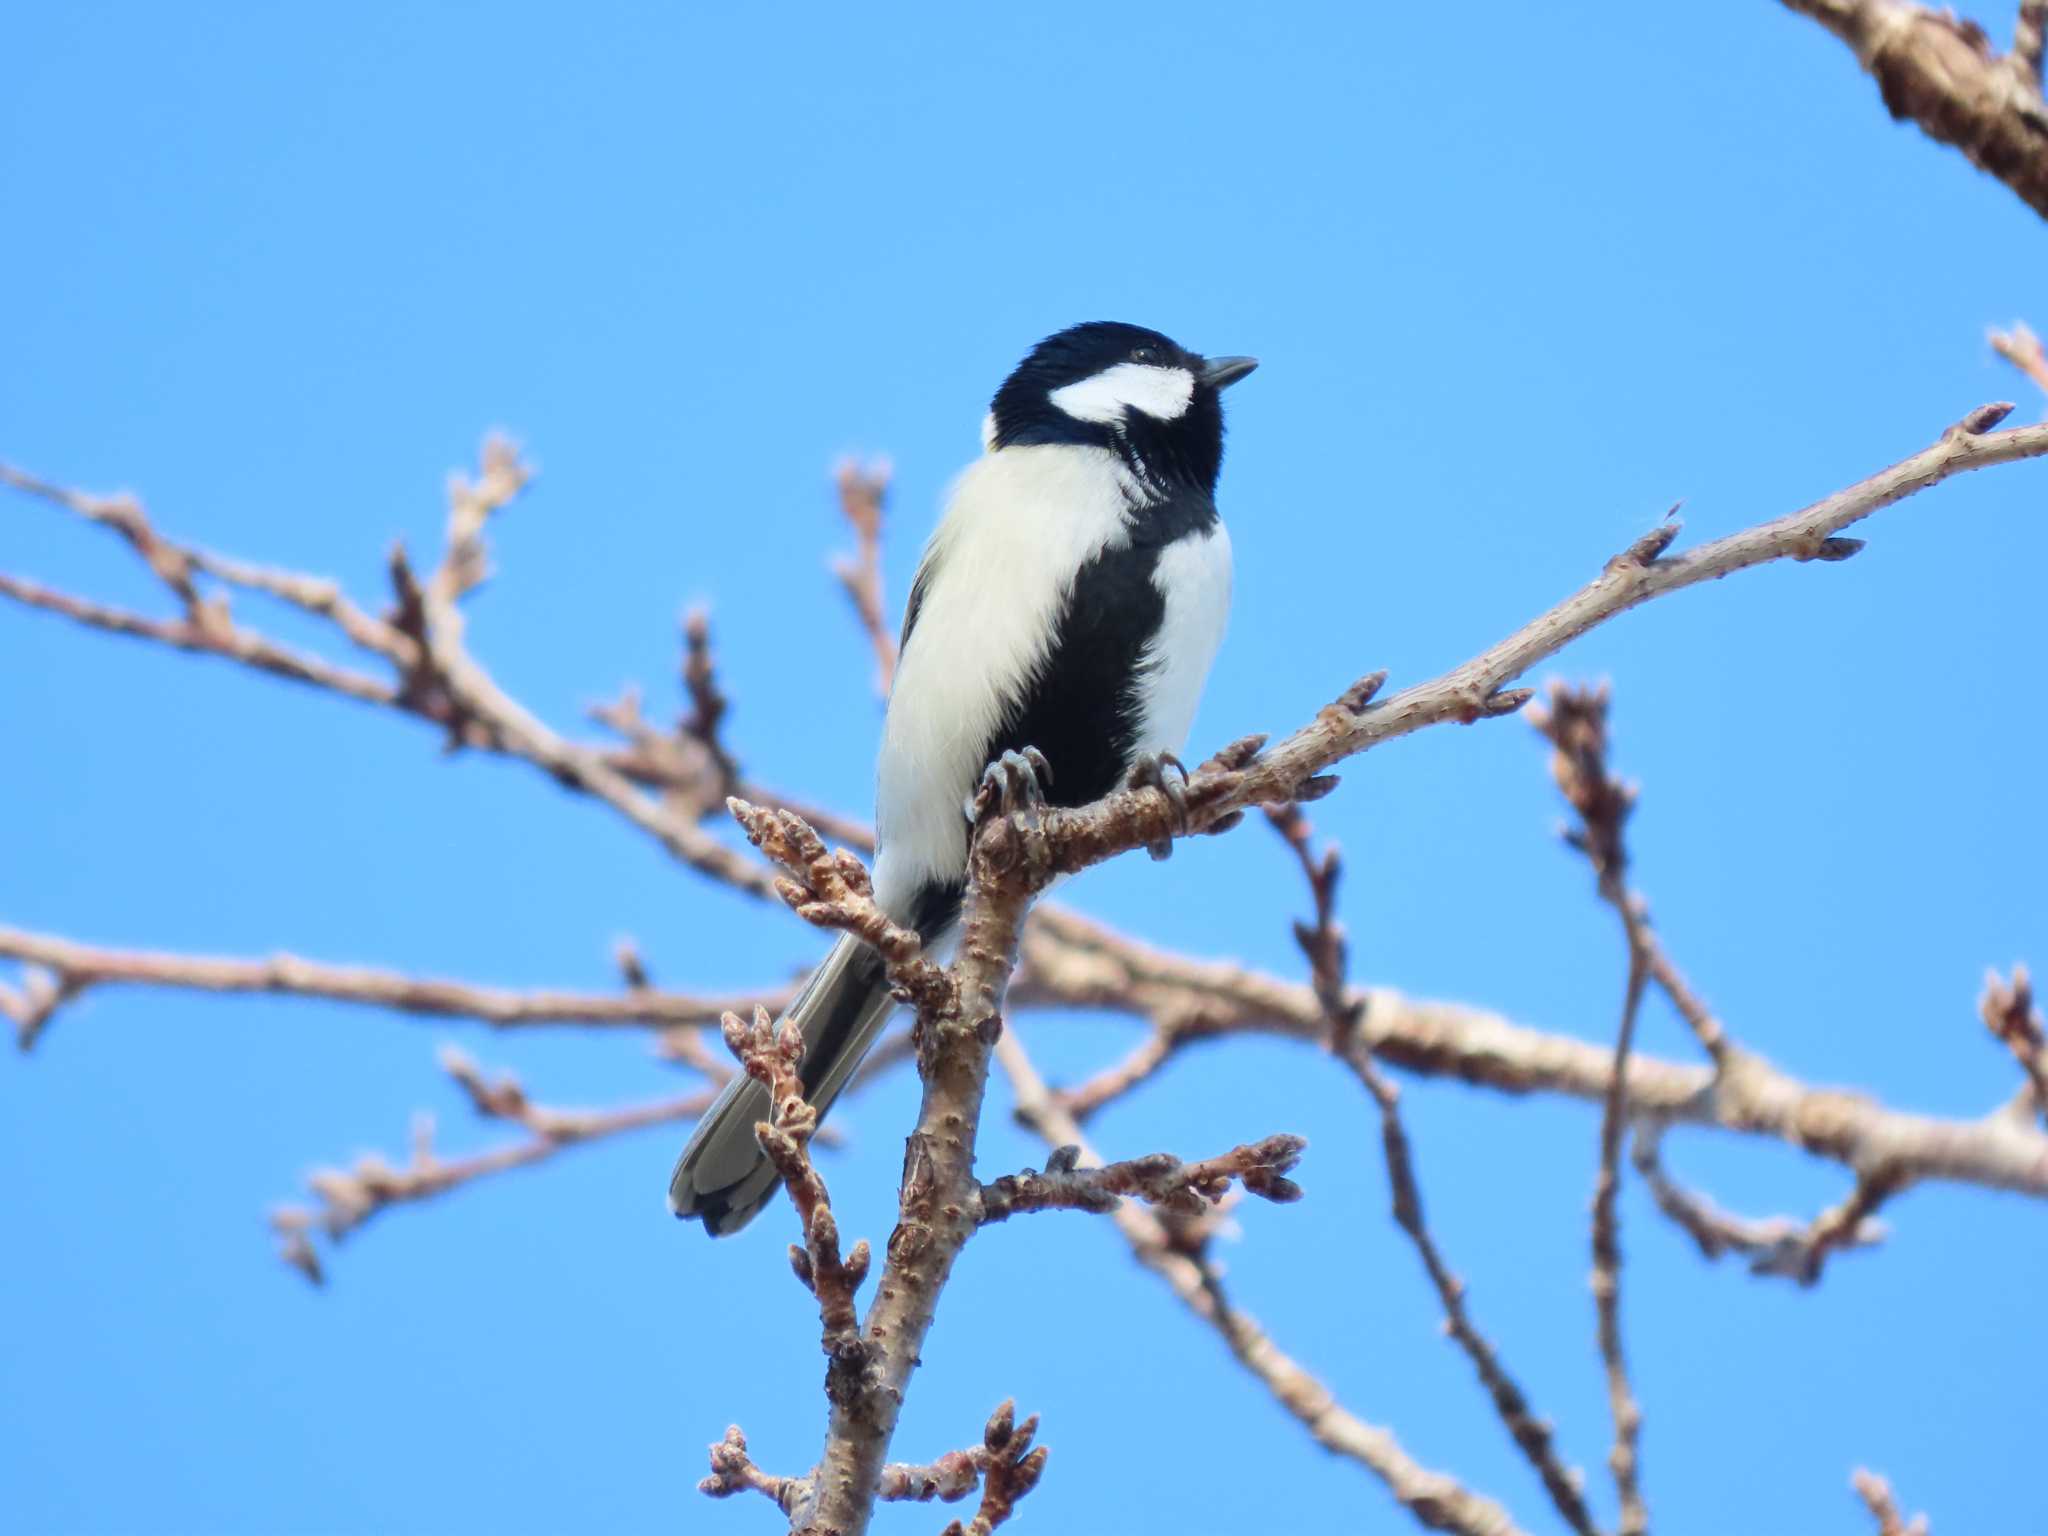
1152	772
1012	786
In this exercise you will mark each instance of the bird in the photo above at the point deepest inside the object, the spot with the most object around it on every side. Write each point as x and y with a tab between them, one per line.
1062	622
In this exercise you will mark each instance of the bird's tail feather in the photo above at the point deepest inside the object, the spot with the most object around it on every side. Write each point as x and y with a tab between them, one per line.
723	1176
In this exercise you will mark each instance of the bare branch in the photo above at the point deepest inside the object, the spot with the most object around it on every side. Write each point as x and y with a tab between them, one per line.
1091	966
733	1471
833	890
1843	1226
1161	1179
214	636
1075	962
2027	32
1576	725
349	1198
1322	942
959	1018
863	491
1476	690
773	1058
1775	1245
1004	1455
1436	1500
1165	1040
1939	70
1011	1469
70	970
1876	1494
1020	848
2022	348
2009	1013
436	679
708	703
1625	1458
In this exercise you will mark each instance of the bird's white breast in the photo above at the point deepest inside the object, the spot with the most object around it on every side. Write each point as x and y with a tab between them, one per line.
1193	575
1019	525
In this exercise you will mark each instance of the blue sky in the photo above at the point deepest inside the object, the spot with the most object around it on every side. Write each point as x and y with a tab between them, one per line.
1521	278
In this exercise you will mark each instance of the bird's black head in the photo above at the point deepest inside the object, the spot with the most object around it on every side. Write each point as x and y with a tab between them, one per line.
1127	389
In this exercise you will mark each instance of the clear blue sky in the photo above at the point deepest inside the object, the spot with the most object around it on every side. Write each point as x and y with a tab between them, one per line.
1521	278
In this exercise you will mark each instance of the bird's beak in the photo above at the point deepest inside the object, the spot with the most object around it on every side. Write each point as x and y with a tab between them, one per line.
1222	372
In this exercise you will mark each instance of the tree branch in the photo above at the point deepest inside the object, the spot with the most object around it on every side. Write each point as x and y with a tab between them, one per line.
1576	725
435	679
733	1471
1322	942
1625	1458
959	1017
2009	1013
1876	1494
349	1198
2022	348
1186	1189
773	1057
1244	775
61	971
1020	848
1437	1501
1775	1245
1010	1469
1091	966
1939	70
1004	1457
1074	962
863	491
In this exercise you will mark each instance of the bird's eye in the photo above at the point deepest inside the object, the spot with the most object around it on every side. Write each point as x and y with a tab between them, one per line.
1145	355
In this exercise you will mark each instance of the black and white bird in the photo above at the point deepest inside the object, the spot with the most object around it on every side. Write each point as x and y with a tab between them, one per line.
1071	600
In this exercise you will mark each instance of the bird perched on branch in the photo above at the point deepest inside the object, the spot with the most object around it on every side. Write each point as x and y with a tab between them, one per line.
1061	625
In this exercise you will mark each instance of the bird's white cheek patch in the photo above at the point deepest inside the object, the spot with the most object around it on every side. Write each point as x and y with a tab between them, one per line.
1163	393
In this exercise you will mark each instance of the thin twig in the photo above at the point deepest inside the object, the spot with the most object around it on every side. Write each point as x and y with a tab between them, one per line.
71	969
1940	70
733	1471
1437	1500
2027	33
350	1197
863	492
1073	962
774	1057
1194	999
1161	1179
1576	725
1876	1494
1295	769
1774	1245
1322	943
2022	348
435	677
2008	1011
1010	1469
1574	721
1625	1458
1019	851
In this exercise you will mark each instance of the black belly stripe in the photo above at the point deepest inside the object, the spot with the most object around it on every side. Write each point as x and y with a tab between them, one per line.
1084	707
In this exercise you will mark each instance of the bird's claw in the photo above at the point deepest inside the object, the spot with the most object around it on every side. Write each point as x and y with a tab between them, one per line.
1150	772
1013	785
